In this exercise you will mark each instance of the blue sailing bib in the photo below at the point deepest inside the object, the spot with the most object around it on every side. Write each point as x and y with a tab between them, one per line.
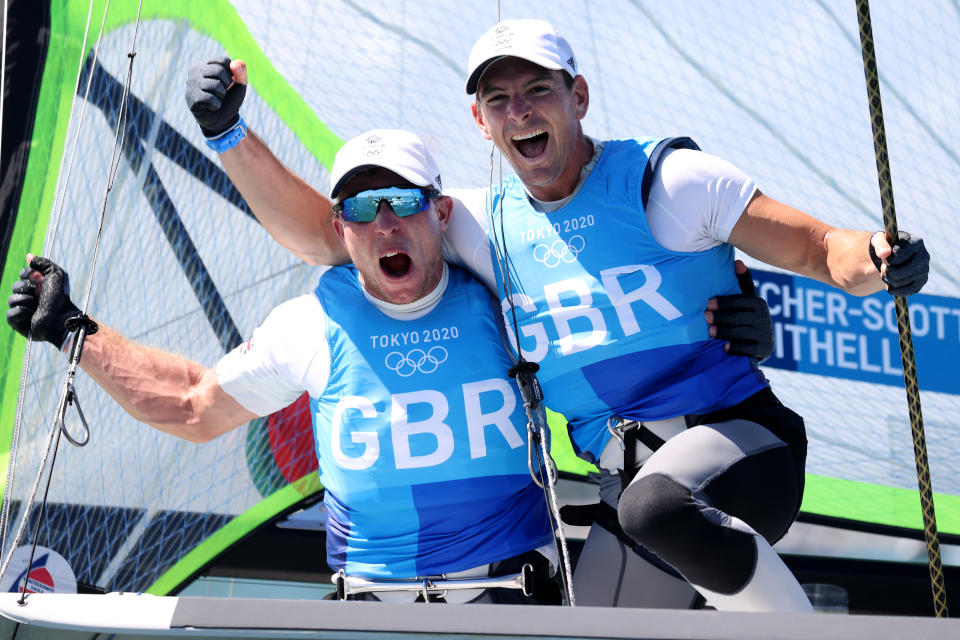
421	437
614	319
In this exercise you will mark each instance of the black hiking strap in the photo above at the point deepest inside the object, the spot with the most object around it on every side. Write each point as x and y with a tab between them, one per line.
630	438
648	438
629	457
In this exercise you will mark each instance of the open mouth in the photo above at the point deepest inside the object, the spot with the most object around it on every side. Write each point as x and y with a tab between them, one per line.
532	144
395	264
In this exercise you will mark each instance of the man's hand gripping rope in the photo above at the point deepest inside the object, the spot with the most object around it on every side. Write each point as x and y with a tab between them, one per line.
41	308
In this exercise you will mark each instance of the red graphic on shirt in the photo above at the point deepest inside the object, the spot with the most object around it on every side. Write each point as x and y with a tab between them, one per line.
290	431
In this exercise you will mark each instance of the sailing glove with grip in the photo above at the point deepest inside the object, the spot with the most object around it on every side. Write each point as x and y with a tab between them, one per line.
41	302
908	266
744	321
212	101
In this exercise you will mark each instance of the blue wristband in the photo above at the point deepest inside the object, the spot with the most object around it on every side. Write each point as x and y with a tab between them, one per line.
229	138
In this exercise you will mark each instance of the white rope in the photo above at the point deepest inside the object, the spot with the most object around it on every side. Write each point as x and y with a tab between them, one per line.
118	141
536	421
63	178
3	62
18	420
3	85
555	510
55	428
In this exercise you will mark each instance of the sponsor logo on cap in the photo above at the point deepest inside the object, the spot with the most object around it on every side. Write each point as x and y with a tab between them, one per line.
437	180
572	63
502	37
374	147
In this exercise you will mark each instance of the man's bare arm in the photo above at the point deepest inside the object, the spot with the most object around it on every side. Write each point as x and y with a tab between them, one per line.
296	215
166	391
790	239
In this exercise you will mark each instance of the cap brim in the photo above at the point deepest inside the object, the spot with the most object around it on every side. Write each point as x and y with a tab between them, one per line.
474	78
409	176
335	191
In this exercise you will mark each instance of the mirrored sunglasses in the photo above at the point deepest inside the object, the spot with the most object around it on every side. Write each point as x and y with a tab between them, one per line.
405	201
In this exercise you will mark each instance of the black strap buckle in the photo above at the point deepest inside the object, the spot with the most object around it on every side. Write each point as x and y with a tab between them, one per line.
74	323
525	373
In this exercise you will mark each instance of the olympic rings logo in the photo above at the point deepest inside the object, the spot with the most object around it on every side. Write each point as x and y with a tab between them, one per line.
554	254
416	361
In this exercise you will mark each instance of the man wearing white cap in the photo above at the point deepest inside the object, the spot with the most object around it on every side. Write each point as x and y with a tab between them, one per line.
419	432
722	460
615	250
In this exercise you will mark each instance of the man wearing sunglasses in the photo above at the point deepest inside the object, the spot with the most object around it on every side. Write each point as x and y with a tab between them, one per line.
420	433
278	197
618	330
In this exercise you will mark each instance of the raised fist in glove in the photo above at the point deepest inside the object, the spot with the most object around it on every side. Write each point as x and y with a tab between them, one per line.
742	319
905	266
41	302
214	93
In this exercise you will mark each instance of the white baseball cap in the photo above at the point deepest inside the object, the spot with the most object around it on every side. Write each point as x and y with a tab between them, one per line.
394	149
533	40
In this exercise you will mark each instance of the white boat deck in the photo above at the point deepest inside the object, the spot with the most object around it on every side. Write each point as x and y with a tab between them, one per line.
118	616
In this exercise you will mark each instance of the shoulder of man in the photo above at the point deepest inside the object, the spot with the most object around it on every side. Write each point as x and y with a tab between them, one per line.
657	156
289	328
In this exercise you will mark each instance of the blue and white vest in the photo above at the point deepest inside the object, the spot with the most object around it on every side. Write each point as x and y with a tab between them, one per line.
421	437
615	320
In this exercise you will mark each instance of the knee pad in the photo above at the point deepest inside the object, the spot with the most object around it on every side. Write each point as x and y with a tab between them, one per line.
688	533
770	505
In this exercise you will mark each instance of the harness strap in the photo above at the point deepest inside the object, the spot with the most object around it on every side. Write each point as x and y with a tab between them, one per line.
634	432
648	438
629	458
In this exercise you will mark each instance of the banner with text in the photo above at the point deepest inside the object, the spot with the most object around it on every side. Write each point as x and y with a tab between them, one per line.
822	330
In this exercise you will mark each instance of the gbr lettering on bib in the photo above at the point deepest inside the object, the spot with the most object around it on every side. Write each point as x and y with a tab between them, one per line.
352	412
585	310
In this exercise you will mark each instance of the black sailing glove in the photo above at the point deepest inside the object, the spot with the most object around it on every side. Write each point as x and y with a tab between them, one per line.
212	101
41	302
908	266
743	320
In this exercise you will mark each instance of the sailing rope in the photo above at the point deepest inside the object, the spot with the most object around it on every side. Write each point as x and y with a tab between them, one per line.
903	317
48	250
3	62
81	325
539	461
525	374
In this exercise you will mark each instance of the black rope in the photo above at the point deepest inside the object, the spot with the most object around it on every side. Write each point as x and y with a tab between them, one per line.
36	533
903	317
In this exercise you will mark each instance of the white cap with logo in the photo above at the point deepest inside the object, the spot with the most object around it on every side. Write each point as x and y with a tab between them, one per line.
394	149
533	40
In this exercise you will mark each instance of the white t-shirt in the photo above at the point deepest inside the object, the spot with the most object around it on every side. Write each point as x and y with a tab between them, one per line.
288	354
694	202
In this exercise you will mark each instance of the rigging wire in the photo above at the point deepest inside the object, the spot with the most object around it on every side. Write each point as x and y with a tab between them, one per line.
47	250
524	373
3	62
539	461
64	178
3	86
85	326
